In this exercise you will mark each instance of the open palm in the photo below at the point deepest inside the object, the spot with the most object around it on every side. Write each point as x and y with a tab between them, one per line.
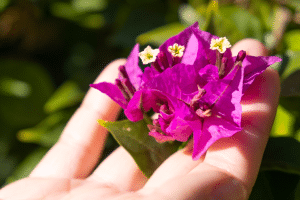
227	171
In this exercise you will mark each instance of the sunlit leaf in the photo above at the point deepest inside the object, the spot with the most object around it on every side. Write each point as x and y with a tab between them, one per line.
67	95
93	21
212	11
292	39
3	4
282	154
47	132
232	22
14	87
133	136
81	12
161	34
63	10
264	12
89	5
297	135
283	124
247	24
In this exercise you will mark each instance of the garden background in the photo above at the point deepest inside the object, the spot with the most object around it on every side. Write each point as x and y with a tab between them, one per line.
51	50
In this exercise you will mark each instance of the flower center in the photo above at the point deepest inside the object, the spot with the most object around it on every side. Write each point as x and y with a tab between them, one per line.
176	50
220	44
201	110
148	55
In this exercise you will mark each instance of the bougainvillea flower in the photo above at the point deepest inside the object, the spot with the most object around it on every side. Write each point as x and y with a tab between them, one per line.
193	83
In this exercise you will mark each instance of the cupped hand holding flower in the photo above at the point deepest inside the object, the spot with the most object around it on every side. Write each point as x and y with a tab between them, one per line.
227	171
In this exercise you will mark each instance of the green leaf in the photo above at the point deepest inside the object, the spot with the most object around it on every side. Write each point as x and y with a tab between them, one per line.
297	191
290	93
24	89
283	123
92	21
27	165
292	39
233	23
263	10
212	11
261	188
89	5
293	63
3	4
282	154
291	103
67	95
294	5
133	136
291	85
161	34
47	132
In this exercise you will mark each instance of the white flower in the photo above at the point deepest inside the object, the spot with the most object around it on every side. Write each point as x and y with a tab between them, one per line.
176	50
148	55
220	44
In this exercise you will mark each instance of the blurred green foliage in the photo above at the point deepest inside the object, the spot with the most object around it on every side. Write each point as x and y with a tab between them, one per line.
52	49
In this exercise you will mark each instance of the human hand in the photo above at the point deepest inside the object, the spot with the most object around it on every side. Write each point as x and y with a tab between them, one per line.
227	171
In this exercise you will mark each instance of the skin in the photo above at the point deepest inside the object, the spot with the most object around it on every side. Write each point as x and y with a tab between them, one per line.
227	171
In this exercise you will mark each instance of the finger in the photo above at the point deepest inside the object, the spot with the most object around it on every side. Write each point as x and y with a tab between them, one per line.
207	183
251	46
37	188
79	147
121	171
241	154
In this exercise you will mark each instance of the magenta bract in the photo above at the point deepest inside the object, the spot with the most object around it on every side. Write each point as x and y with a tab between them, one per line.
195	90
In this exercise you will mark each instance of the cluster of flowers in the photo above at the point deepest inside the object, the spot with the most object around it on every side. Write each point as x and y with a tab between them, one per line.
193	83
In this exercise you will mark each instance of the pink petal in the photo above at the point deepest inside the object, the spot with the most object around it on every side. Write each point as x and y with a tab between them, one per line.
179	129
255	66
211	131
112	91
132	67
160	137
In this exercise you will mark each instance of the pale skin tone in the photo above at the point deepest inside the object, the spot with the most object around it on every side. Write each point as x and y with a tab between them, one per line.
227	171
